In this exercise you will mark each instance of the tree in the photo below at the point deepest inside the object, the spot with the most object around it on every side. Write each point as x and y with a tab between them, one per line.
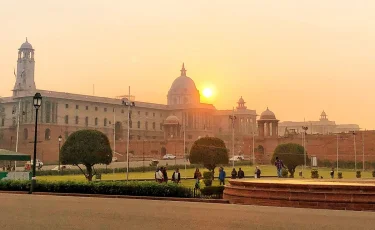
86	147
291	154
209	151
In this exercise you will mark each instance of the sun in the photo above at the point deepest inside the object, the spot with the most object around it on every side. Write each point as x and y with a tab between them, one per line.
207	92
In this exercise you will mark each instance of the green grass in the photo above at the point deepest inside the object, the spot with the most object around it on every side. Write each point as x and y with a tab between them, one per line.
267	170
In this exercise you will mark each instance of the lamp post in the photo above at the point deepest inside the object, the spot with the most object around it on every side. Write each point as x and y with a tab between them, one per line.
355	151
305	128
60	139
337	153
37	101
128	104
233	119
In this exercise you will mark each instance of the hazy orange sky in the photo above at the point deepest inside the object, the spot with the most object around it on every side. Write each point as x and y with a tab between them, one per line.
296	57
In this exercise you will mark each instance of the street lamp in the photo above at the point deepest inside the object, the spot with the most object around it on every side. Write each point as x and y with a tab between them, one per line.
233	118
128	104
60	139
355	151
305	128
37	101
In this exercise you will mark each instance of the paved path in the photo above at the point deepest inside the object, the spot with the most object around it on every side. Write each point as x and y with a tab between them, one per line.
52	212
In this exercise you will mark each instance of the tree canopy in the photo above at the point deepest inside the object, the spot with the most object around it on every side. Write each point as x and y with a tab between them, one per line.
209	151
86	147
291	154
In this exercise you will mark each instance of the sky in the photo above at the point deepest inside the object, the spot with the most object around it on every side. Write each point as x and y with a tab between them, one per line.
297	57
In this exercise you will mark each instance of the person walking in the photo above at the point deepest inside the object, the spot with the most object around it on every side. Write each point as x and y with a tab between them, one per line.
176	176
222	175
279	166
197	177
332	173
165	174
257	172
234	174
241	174
159	176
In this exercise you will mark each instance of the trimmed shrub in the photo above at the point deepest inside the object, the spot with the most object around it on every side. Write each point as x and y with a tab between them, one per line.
107	188
284	173
373	173
213	191
358	174
339	175
314	174
207	178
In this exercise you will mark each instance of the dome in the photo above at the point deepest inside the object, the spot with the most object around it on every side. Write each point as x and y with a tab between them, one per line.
183	82
267	115
323	114
172	120
26	45
241	100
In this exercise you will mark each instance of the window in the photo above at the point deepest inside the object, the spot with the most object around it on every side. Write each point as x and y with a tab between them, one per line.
146	125
130	124
77	120
96	121
138	124
161	126
190	137
77	106
25	134
105	121
105	109
122	111
96	108
47	135
66	119
66	106
87	121
153	126
2	121
153	114
87	108
130	115
48	111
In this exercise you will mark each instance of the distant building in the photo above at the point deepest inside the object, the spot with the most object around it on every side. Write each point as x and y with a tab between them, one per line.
323	126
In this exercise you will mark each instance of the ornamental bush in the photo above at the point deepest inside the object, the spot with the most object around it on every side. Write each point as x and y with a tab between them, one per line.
103	187
339	175
207	178
358	174
373	173
314	174
284	173
213	191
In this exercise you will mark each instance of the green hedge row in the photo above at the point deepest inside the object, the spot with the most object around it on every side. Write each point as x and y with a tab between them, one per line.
345	164
107	188
212	191
123	170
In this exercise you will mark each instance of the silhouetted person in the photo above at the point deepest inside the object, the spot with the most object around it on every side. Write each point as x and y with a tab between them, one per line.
234	174
222	175
176	176
241	174
165	174
279	166
332	173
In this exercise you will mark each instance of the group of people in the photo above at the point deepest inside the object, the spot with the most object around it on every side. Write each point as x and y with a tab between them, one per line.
161	175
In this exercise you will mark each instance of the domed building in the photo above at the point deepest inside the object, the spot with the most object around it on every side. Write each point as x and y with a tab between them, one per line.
268	124
183	90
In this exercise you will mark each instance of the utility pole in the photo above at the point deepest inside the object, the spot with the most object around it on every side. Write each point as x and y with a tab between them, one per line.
337	153
252	127
114	132
363	151
355	151
233	118
184	123
18	130
129	104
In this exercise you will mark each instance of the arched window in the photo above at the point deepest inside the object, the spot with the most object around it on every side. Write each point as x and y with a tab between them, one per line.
153	125
77	120
87	121
66	119
47	135
25	134
105	121
96	121
139	124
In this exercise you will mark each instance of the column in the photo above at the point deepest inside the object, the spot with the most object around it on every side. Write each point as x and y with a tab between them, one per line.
261	128
268	130
274	129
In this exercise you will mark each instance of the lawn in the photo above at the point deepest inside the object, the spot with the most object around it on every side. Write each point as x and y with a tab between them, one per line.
267	170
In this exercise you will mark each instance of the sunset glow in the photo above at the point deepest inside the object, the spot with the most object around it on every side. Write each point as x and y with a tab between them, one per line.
207	93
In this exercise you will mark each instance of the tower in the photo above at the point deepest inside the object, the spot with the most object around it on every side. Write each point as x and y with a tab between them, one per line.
25	69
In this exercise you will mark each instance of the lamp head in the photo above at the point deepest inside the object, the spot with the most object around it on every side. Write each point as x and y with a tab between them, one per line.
37	100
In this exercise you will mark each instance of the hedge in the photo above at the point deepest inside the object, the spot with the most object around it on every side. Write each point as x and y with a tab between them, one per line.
123	170
107	188
213	191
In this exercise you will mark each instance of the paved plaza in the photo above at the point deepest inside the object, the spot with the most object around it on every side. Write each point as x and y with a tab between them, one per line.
54	212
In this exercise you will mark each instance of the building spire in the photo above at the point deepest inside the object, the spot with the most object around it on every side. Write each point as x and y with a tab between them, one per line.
26	39
183	70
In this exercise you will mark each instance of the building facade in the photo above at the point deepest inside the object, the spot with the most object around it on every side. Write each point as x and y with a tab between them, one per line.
155	129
